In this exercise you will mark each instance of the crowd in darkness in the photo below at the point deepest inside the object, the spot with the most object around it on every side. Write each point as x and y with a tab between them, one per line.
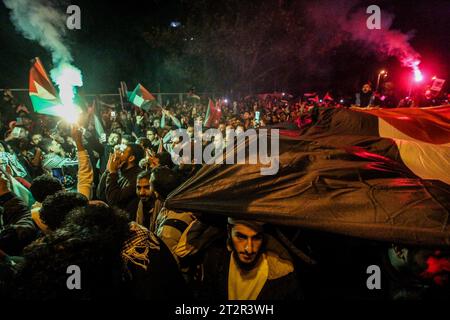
92	194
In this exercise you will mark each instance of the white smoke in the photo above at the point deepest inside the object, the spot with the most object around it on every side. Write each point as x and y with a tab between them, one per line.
340	21
40	21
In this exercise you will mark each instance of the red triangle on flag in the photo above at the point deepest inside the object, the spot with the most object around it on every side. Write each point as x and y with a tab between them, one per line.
39	75
146	95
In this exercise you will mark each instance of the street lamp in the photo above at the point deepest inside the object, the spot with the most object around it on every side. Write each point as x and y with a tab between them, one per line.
382	72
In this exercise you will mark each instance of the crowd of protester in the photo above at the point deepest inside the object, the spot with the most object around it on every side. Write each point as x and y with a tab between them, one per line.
92	195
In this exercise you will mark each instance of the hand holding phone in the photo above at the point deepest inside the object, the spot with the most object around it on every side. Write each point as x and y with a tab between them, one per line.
58	174
103	138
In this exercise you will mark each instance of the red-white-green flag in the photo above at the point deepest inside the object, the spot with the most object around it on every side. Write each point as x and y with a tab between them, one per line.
213	114
142	98
43	94
380	174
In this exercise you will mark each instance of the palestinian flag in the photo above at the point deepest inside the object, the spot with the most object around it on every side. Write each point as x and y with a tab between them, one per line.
374	174
43	94
213	114
142	98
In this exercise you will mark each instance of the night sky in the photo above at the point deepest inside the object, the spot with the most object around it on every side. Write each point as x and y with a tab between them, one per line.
110	47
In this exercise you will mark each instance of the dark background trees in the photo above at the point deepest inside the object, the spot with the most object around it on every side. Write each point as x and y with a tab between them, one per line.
239	46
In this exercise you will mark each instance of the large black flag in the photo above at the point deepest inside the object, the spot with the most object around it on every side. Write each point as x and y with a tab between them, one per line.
354	184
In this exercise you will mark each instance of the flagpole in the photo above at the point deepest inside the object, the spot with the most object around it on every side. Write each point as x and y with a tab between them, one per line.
121	100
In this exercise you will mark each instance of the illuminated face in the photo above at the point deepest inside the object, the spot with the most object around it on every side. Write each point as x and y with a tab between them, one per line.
36	139
239	130
190	131
366	88
113	139
56	147
247	244
156	123
150	135
22	133
105	116
126	155
144	189
154	163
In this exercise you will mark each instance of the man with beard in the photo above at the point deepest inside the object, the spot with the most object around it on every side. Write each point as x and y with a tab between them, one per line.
152	188
145	214
114	139
256	267
118	184
152	135
365	98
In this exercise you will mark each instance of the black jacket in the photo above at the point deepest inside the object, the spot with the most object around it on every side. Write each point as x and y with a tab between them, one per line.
119	189
281	284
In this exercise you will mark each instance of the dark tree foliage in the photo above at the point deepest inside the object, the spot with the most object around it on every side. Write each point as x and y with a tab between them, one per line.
243	45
